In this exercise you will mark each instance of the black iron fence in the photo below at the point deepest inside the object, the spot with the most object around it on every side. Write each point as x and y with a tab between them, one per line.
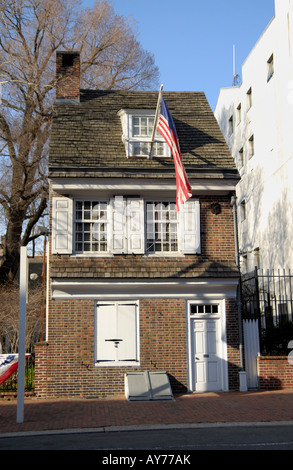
268	297
9	387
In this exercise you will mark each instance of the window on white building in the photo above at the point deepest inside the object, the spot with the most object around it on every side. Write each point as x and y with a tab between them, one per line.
241	158
231	125
239	114
270	67
249	98
242	211
251	146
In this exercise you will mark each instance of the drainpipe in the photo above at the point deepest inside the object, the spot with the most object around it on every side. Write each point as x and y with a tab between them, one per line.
233	202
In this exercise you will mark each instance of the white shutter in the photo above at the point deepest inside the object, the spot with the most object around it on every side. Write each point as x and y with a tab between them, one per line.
117	332
135	226
190	227
106	330
127	225
127	331
62	214
118	228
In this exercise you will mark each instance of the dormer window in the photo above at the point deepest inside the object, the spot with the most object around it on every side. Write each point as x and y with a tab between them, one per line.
137	128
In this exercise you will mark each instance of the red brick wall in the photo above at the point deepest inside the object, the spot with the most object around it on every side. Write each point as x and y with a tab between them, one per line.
41	357
217	230
68	78
70	368
274	373
71	371
232	330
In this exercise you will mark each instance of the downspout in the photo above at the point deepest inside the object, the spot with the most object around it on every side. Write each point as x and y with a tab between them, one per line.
233	202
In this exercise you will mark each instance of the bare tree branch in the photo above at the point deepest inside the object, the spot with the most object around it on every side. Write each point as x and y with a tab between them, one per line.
31	31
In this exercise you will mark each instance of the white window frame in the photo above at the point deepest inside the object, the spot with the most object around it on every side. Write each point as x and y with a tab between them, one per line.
162	221
96	236
108	356
188	229
141	141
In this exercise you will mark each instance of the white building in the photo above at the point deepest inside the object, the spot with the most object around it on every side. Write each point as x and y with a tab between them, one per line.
256	119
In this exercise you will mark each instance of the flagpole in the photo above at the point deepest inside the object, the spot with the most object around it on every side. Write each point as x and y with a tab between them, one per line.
156	120
22	325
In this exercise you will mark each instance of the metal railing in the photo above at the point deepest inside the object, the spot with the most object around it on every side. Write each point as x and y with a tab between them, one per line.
267	296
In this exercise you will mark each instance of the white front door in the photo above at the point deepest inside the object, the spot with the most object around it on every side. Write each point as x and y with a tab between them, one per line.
207	374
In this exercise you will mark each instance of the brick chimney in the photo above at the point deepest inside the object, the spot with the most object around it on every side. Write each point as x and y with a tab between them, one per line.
67	75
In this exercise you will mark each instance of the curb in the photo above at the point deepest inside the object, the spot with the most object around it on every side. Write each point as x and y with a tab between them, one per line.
144	427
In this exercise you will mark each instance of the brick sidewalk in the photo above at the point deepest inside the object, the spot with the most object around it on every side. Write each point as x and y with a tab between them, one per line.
230	407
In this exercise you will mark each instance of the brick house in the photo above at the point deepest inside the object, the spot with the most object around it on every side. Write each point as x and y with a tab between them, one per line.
135	285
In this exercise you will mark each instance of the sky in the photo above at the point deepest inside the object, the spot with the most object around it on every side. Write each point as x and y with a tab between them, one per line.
192	40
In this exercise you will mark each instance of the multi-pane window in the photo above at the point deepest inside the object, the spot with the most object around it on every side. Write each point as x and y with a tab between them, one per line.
124	225
140	145
162	227
137	128
91	226
204	309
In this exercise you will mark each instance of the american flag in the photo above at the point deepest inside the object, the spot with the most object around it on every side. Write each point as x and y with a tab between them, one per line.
167	128
8	365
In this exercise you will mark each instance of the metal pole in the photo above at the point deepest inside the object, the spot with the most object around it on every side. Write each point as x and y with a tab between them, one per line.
21	345
258	306
156	120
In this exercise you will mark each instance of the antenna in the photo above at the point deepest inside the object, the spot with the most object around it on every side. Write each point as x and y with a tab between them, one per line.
235	76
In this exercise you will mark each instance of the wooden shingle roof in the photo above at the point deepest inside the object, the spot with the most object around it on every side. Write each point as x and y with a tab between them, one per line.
86	136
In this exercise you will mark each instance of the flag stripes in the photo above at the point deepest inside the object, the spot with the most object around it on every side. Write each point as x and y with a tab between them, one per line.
167	129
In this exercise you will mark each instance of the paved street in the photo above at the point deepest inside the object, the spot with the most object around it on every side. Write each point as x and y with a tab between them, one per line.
181	441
